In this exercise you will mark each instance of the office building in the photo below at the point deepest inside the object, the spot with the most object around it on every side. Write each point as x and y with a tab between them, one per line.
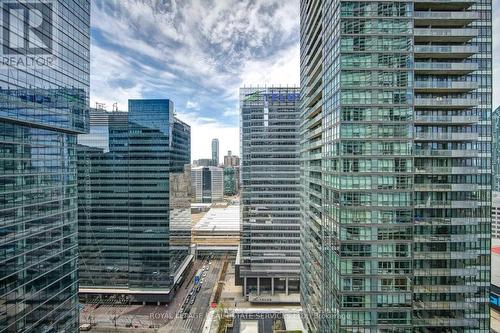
395	151
180	218
215	152
207	184
133	197
268	266
231	160
204	162
230	181
44	96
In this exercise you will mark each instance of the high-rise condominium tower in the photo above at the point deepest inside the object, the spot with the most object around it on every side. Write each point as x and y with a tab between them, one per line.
495	149
133	199
215	152
395	146
270	244
44	91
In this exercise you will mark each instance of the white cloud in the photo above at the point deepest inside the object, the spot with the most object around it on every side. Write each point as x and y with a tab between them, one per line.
177	48
282	69
192	105
231	112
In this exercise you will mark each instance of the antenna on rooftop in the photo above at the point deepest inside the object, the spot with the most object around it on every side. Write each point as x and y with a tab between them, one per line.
100	106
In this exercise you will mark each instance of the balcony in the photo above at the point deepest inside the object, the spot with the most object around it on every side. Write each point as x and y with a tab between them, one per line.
448	68
444	86
446	119
445	18
444	238
443	305
446	204
445	170
308	123
445	153
445	255
445	272
444	35
445	187
446	103
446	136
444	52
445	322
444	289
443	4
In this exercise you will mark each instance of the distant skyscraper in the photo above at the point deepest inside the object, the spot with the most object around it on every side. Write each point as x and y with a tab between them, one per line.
130	184
215	151
270	194
44	93
395	151
231	160
207	184
205	162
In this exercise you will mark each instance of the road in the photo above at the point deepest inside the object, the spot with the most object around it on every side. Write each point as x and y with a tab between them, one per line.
194	322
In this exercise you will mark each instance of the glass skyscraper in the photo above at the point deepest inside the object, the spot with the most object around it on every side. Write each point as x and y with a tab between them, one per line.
124	170
270	194
396	165
44	96
215	152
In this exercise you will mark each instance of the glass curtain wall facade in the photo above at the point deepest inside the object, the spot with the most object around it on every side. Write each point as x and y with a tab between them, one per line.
395	144
215	152
495	149
270	192
124	193
43	106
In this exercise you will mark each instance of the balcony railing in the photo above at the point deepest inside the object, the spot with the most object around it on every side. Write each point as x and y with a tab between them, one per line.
445	86
447	119
446	15
444	35
446	102
445	51
447	136
445	187
445	67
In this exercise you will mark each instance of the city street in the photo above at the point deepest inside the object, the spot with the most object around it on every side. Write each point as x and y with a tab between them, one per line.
194	321
166	317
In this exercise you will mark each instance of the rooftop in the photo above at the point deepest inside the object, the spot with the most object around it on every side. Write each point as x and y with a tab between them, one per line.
220	219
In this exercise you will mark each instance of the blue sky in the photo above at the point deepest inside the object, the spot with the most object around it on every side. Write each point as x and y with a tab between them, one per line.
198	53
195	52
